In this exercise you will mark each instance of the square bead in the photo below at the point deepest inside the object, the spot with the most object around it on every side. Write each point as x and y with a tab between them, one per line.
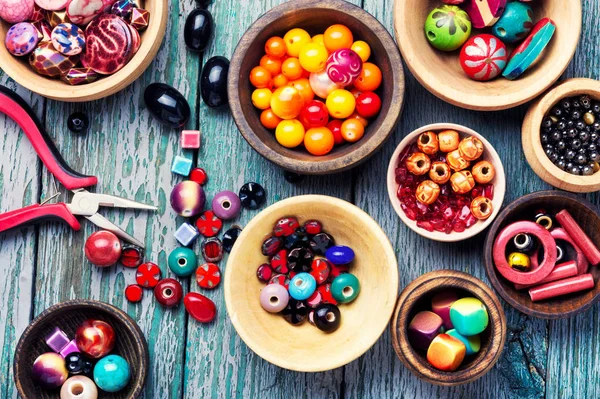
70	348
57	340
181	166
186	234
190	139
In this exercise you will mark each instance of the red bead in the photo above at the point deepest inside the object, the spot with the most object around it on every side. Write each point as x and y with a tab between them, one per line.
148	275
279	262
315	299
326	294
95	338
212	249
336	128
368	104
313	227
483	57
208	276
198	175
280	279
336	270
103	248
208	224
314	114
131	256
200	307
264	273
134	293
168	292
321	269
286	227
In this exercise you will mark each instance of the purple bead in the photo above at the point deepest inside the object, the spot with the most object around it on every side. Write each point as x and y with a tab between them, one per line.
49	370
226	205
21	39
123	8
423	328
344	66
187	198
70	348
274	298
57	340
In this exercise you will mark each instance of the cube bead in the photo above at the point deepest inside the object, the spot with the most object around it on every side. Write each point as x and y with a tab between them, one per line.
469	316
181	166
186	234
57	340
70	348
446	353
423	328
440	305
190	139
472	343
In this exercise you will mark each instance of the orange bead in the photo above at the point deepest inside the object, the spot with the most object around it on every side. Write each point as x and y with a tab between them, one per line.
279	81
369	79
364	121
271	64
291	68
260	77
319	141
275	47
287	102
446	353
269	119
337	37
303	86
355	92
352	130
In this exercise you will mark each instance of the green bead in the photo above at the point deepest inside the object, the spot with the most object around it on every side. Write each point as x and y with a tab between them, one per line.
345	288
183	261
519	261
469	316
472	343
447	27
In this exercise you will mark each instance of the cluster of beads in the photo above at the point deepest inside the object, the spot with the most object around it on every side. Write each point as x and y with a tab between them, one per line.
94	340
307	274
331	66
104	249
443	182
450	330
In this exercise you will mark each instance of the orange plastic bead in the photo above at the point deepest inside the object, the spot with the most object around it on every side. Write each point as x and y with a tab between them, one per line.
295	39
369	79
260	77
446	353
303	86
291	68
271	64
275	47
287	102
261	98
319	140
364	121
337	37
279	81
352	130
269	119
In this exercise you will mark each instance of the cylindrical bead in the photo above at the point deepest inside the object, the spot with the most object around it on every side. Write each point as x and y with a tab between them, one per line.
562	287
582	263
562	271
590	250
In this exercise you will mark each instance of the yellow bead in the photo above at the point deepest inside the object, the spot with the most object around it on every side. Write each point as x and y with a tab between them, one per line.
287	102
313	57
319	39
295	39
362	49
290	133
519	261
340	103
261	98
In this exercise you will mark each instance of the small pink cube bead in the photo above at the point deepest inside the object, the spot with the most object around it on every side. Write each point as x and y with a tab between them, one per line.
190	139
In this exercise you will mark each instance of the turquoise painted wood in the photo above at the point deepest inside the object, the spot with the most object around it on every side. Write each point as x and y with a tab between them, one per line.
131	154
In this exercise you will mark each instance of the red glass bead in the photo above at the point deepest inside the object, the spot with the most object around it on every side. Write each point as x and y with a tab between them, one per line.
325	290
280	279
313	227
208	224
285	227
200	307
321	268
208	276
148	275
134	293
168	292
336	128
95	338
488	191
212	249
368	104
103	248
279	262
199	176
315	299
314	114
132	256
264	273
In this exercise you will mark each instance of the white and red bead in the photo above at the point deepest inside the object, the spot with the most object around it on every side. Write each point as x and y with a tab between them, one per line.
483	57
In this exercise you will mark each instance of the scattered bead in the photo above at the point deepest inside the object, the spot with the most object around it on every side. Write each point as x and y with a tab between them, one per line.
252	195
181	166
182	261
168	292
213	82
230	237
103	248
131	255
208	224
186	234
49	370
200	307
199	176
440	172
134	293
190	139
187	198
212	249
78	122
95	338
148	275
208	275
167	105
198	29
112	373
226	205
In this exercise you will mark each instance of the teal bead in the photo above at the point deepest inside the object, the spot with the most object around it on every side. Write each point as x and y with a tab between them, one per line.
111	373
469	316
472	343
345	288
302	286
183	261
515	23
447	27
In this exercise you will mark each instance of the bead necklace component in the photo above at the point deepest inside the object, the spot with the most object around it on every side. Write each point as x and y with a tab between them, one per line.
212	249
148	275
524	243
208	276
230	237
134	293
168	292
200	307
209	224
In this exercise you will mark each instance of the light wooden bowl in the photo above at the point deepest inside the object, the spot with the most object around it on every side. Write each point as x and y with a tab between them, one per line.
306	348
441	73
19	70
489	154
532	144
417	296
315	16
523	208
130	344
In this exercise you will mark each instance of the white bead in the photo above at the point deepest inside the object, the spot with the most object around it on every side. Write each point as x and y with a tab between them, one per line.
79	387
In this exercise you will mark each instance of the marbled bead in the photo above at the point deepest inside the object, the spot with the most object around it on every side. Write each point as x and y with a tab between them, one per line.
208	275
182	261
187	198
15	11
302	286
446	353
168	292
226	205
57	339
441	303
68	39
212	249
21	39
95	338
47	61
515	23
112	373
340	255
49	370
295	312
469	316
230	237
345	288
472	343
79	387
423	328
327	317
274	298
77	76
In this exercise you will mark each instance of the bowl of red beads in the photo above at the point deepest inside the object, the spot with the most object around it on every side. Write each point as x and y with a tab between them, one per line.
446	182
316	87
307	276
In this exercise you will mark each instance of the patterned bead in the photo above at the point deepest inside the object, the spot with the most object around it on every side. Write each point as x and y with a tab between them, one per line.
264	273
76	364
79	387
199	176
112	373
297	240
325	290
95	338
168	292
315	299
200	307
300	259
123	8
280	279
57	339
68	39
51	5
134	293
187	198
313	227
131	255
336	270
39	14
57	17
279	262
515	23
295	312
230	237
252	195
345	288
45	60
21	39
484	13
321	268
208	224
271	245
285	226
212	249
186	234
49	370
81	12
208	276
447	27
70	348
483	57
340	255
226	205
140	18
320	243
182	261
302	286
44	31
181	166
148	275
327	317
274	298
344	67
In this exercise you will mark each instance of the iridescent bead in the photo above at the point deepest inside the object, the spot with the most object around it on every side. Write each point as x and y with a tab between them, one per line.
212	249
168	292
123	8
76	364
182	261
345	288
112	373
274	298
140	18
187	198
79	387
48	61
230	237
226	205
302	286
49	370
340	255
95	338
327	317
21	39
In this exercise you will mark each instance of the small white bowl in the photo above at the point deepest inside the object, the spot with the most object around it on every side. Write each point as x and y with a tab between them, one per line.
489	154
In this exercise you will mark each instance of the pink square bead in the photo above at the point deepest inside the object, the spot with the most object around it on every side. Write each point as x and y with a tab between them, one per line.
190	139
70	348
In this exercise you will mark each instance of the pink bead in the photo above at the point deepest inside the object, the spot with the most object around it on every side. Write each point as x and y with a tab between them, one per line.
590	250
190	139
440	305
14	11
484	13
274	298
562	271
562	287
483	57
344	66
582	263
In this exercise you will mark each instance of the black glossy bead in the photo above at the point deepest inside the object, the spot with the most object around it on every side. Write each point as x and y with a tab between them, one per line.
198	29
547	122
553	157
252	195
300	260
570	154
76	364
575	144
78	122
556	111
570	124
572	133
296	240
524	243
561	125
561	164
587	170
545	139
596	126
596	107
560	146
580	125
575	103
569	165
292	177
555	136
586	102
565	103
584	136
594	156
576	114
213	82
271	245
295	312
320	243
594	136
327	317
230	237
581	159
574	170
167	105
205	3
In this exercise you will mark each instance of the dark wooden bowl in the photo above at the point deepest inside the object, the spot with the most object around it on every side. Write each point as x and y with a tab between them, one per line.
315	16
130	344
417	296
585	213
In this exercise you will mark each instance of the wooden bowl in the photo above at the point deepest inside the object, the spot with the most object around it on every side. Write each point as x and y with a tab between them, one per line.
489	154
130	344
417	296
440	72
306	348
532	145
315	16
18	68
585	213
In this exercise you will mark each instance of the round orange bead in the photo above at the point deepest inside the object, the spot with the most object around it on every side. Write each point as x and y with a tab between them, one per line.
271	64
337	37
287	102
260	77
319	141
352	130
261	98
275	47
269	119
369	79
279	81
303	86
291	68
364	121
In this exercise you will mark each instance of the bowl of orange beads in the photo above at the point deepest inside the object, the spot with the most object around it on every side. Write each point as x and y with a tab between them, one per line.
316	87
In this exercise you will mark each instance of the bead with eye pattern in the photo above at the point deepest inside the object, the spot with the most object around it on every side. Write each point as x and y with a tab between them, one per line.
470	148
456	161
449	140
483	172
440	172
418	163
462	182
482	208
427	192
428	143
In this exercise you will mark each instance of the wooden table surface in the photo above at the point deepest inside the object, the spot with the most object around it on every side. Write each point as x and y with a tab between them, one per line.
131	155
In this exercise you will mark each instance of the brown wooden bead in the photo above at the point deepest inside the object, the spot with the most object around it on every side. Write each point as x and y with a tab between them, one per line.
462	182
449	140
418	163
483	172
470	148
456	161
427	192
440	172
482	208
428	143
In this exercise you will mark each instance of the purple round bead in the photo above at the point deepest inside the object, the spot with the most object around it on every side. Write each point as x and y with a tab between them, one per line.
187	198
226	205
21	39
344	66
274	298
49	370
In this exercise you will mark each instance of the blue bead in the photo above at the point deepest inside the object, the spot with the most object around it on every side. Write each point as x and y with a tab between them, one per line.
302	286
515	23
181	166
112	373
340	255
186	234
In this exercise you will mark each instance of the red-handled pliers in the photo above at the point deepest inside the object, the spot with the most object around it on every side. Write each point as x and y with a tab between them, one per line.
83	203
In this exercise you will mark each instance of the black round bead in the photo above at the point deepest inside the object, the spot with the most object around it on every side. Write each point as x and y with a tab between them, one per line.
78	122
560	146
555	136
586	102
553	157
295	312
575	144
545	139
572	133
584	136
570	154
581	159
576	114
292	177
594	156
565	103
561	164
327	317
547	122
594	136
596	107
596	126
561	125
230	237
213	82
591	147
587	170
575	103
252	195
556	111
580	125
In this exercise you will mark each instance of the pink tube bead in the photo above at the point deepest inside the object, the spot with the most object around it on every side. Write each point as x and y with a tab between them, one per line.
562	287
590	250
562	271
582	262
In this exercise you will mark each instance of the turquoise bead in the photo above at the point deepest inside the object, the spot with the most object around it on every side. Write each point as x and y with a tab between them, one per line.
469	316
181	166
112	373
182	261
472	343
515	23
345	288
302	286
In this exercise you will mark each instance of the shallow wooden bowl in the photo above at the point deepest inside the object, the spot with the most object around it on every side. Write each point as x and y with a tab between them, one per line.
532	145
315	16
585	213
306	348
130	344
489	154
440	72
417	296
18	68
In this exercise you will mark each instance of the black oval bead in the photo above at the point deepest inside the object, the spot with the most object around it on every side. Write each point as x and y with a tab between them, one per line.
198	29
230	237
213	82
292	177
78	122
327	317
252	195
167	105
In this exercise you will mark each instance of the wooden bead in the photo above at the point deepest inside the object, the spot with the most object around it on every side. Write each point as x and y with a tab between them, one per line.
483	57
446	353
590	250
484	13
449	140
418	163
440	172
529	51
428	143
456	161
515	23
562	271
427	192
582	263
447	27
562	287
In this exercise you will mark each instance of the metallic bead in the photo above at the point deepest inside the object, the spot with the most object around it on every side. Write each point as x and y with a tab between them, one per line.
47	61
544	220
449	140
140	18
427	192
524	243
462	182
456	161
482	208
519	261
470	148
559	253
418	163
440	172
428	143
483	172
